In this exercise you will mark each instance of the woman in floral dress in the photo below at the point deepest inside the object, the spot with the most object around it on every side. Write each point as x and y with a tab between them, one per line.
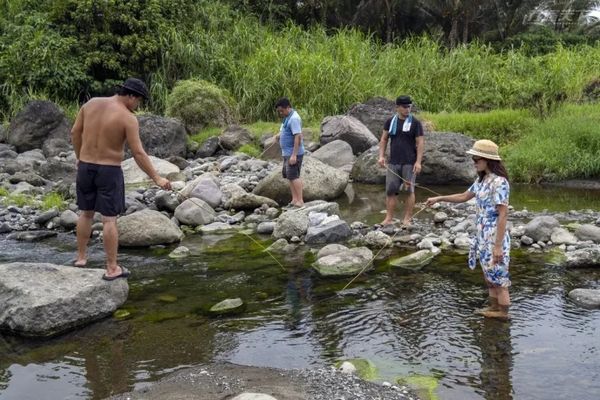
492	243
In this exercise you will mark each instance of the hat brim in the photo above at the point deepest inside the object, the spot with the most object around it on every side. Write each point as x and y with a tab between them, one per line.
144	95
474	152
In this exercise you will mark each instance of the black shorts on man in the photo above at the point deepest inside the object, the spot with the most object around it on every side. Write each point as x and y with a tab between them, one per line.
100	188
291	172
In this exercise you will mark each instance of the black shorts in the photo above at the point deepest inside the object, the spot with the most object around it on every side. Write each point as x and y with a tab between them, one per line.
291	172
100	188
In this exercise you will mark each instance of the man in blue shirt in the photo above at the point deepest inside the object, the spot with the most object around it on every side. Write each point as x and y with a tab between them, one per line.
292	148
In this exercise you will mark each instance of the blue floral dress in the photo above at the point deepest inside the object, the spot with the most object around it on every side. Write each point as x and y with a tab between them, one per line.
493	190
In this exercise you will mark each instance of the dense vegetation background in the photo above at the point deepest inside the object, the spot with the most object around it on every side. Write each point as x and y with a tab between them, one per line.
497	69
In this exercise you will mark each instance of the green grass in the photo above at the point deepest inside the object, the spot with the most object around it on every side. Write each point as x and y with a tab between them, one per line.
501	126
4	192
18	200
564	146
205	134
250	149
53	200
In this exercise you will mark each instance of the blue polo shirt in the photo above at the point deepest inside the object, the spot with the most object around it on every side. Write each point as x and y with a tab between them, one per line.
291	126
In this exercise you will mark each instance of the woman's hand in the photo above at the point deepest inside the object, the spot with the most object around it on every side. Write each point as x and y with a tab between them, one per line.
497	254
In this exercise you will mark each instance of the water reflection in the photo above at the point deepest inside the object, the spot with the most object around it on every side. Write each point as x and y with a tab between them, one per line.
494	340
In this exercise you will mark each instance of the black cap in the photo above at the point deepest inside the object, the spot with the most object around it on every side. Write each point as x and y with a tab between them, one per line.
403	100
136	86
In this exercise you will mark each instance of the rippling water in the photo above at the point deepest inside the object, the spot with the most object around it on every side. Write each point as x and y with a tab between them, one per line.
404	322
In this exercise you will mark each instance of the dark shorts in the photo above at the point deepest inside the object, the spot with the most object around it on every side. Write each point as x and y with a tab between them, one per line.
393	183
100	188
291	172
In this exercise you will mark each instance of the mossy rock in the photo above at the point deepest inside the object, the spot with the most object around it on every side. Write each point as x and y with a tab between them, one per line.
167	298
425	386
365	369
414	261
198	104
122	314
228	306
555	256
162	316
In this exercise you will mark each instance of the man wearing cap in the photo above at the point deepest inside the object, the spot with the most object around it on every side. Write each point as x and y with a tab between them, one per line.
406	154
99	133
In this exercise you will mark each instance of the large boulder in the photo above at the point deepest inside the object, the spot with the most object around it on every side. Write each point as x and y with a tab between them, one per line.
162	137
38	121
334	231
147	228
366	169
373	113
583	258
194	212
206	187
445	159
321	182
42	299
272	149
134	175
337	154
541	228
346	263
348	129
234	137
586	297
291	223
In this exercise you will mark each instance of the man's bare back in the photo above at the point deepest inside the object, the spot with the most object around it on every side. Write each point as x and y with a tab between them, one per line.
104	124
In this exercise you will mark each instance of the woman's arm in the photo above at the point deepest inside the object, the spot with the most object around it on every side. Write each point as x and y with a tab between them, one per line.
452	198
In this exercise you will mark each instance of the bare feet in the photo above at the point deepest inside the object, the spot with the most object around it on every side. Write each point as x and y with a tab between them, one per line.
498	314
386	222
481	311
80	263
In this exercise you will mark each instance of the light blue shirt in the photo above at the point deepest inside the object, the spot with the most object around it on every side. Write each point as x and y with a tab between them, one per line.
291	126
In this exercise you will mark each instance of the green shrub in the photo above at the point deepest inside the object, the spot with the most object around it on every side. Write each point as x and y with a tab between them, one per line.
564	146
199	104
205	134
501	126
3	192
250	149
19	200
53	200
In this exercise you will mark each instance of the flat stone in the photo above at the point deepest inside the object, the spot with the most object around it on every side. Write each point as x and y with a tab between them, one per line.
227	306
586	297
31	236
253	396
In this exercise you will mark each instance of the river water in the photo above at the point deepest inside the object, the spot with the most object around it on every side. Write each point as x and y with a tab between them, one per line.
406	323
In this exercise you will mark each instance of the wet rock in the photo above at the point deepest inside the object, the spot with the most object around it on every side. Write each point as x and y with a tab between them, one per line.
586	257
228	306
562	236
415	261
346	263
332	248
291	223
588	232
377	239
147	228
278	246
334	231
194	212
586	297
253	396
266	228
215	227
180	252
348	129
540	228
46	299
31	236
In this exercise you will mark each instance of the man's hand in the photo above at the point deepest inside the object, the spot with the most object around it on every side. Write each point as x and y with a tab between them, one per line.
381	162
417	168
276	137
163	183
293	160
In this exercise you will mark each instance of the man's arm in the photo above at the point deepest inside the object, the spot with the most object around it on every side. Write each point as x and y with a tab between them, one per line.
382	145
420	141
77	132
132	132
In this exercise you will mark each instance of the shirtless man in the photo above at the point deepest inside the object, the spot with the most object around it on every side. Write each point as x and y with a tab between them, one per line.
102	127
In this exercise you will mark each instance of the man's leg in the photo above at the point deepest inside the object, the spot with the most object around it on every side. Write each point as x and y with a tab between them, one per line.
409	205
296	188
110	237
390	206
84	230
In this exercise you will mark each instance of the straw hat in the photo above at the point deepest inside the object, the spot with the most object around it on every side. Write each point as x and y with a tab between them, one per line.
485	149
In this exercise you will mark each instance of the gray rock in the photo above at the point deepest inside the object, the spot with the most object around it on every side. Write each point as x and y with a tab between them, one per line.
272	149
291	223
366	169
415	261
321	182
278	246
180	252
330	249
445	160
68	219
31	236
588	232
208	190
336	154
348	129
253	396
46	299
208	148
216	227
334	231
266	228
166	201
5	228
526	240
234	136
586	297
582	258
349	262
56	170
30	177
377	239
133	174
228	306
440	217
46	216
194	212
55	146
162	137
562	236
37	122
540	228
373	113
228	162
462	242
147	228
248	201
